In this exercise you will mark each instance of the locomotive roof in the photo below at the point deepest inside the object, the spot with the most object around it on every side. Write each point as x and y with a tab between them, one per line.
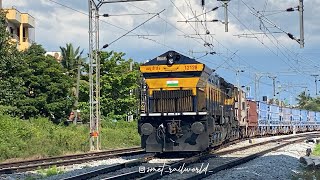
162	59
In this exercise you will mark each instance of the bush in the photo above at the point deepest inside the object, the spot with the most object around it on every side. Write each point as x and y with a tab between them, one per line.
41	137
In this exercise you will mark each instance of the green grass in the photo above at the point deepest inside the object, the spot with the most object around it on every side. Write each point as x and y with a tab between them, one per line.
316	150
41	138
50	171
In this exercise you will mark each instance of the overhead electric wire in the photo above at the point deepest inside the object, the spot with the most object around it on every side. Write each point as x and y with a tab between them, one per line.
260	40
137	34
205	42
189	5
272	35
81	12
132	14
132	29
227	59
167	22
279	42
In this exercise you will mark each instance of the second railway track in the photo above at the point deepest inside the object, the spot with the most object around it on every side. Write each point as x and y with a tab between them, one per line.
208	164
20	166
219	160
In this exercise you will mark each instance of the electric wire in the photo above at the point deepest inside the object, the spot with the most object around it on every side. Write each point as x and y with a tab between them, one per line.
270	22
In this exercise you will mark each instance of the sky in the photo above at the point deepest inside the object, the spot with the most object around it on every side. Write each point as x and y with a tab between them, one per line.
255	47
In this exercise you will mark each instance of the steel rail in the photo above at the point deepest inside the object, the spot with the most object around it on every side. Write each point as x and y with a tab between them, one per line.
241	160
204	156
109	169
20	166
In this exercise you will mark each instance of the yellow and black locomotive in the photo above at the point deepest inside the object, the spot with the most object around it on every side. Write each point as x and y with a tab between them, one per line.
185	106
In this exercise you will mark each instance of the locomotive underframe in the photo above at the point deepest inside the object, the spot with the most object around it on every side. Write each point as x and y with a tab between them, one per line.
185	133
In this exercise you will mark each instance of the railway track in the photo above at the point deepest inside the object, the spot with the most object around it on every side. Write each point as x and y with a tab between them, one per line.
222	159
102	171
20	166
222	163
229	162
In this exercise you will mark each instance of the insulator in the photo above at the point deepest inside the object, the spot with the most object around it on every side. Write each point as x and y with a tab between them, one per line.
202	2
105	46
215	8
290	9
290	35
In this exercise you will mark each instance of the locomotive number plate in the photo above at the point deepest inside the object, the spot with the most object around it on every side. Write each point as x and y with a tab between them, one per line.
173	68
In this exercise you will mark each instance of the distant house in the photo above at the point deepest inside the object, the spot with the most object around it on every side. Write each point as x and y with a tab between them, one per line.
56	54
21	28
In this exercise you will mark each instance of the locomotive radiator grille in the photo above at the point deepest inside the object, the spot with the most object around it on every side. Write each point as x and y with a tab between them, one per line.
172	101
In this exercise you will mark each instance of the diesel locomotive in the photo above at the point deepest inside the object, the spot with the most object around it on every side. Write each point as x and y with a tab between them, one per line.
185	106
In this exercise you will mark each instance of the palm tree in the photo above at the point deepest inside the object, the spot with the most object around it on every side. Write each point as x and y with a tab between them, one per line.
71	59
72	62
303	99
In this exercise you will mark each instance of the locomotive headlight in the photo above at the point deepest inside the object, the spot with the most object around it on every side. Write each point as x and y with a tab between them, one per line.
146	129
197	128
170	58
170	61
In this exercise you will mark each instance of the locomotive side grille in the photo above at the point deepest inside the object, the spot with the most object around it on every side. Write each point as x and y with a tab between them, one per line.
172	101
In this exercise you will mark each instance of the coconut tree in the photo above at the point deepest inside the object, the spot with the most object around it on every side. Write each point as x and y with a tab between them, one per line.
303	99
72	62
71	59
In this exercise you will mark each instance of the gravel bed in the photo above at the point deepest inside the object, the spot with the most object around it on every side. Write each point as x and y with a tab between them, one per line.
281	164
294	154
256	140
252	150
22	176
213	162
71	170
126	170
94	165
154	163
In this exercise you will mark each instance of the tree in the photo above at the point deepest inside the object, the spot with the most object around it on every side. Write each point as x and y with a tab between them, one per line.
12	70
71	58
49	88
116	82
303	99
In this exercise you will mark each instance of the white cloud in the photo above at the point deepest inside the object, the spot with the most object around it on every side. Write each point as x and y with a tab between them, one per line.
57	25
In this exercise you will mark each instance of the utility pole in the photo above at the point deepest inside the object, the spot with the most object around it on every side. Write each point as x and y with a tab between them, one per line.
315	81
258	76
256	84
94	69
77	92
94	75
130	115
237	74
226	21
274	85
301	9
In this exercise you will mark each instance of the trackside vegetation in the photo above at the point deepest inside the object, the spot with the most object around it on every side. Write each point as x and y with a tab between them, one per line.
39	137
38	93
316	150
